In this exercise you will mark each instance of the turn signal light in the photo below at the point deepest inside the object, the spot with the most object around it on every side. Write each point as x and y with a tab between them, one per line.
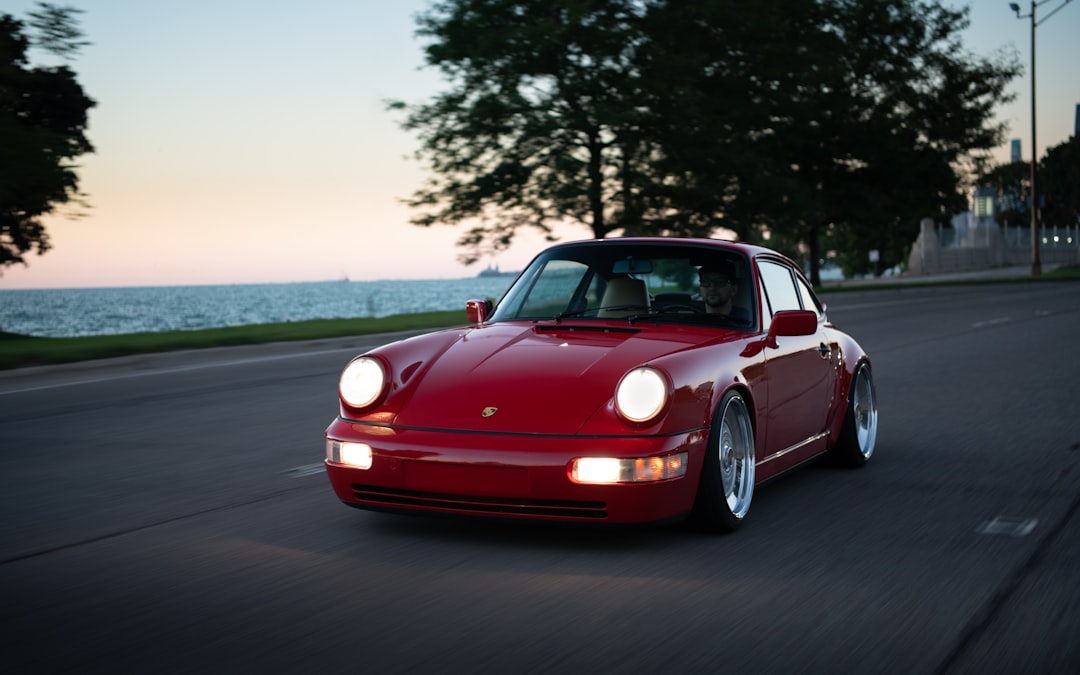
606	470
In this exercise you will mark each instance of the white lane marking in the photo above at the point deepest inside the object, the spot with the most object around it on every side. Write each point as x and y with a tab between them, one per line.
829	309
305	470
1015	527
992	322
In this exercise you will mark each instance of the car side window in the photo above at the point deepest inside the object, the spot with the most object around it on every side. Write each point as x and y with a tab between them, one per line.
554	289
809	300
779	287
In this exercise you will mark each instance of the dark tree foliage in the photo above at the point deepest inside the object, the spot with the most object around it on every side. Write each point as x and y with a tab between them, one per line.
719	87
540	126
842	123
1059	188
921	107
1059	184
43	120
57	31
804	123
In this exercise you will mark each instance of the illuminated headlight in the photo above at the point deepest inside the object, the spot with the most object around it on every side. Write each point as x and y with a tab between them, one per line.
362	382
641	395
605	470
357	455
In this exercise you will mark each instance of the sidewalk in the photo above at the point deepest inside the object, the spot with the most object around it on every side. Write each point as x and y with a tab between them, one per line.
1015	271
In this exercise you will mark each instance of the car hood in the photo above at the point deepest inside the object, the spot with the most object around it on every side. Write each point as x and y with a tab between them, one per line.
510	378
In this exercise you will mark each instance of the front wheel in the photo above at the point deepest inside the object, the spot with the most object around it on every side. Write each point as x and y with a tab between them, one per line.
727	477
859	433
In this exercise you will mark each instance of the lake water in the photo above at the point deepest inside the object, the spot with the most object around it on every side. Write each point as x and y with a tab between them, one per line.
113	311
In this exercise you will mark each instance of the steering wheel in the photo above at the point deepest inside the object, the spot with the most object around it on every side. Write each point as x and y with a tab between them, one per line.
682	308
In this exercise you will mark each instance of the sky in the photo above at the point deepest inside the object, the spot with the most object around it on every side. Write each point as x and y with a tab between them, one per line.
244	141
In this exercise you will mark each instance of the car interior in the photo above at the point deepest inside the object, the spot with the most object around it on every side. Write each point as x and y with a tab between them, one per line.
636	282
624	296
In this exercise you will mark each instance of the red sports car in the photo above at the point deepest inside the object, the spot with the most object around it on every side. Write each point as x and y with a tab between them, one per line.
617	381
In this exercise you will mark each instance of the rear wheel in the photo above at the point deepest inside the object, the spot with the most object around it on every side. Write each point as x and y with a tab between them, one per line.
727	477
859	433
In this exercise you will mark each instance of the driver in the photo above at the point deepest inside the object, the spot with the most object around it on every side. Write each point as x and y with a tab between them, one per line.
718	287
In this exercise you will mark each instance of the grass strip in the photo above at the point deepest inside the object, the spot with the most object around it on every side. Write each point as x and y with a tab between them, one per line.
21	350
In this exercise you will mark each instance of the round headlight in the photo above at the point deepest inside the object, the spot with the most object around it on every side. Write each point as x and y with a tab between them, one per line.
641	395
362	382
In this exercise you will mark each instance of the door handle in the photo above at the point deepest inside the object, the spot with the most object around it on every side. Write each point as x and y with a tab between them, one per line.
825	350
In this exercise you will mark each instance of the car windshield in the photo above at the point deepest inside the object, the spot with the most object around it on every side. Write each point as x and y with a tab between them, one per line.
637	282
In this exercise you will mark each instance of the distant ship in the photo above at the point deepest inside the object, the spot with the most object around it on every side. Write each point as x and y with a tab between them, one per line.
494	271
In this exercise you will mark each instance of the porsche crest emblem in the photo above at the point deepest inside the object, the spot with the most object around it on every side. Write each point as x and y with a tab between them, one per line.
489	411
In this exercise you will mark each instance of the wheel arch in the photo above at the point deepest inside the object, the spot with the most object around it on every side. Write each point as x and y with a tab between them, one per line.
847	377
723	477
746	391
747	394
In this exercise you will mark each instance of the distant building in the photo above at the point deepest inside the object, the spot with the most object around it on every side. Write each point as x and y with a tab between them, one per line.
1076	124
978	226
1015	150
983	203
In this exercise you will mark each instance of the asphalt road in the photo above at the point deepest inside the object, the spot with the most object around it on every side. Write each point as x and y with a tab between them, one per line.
168	514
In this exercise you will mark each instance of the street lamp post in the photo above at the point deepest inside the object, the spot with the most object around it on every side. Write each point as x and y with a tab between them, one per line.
1036	240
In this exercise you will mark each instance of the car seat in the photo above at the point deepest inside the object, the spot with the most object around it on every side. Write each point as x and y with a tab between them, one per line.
624	296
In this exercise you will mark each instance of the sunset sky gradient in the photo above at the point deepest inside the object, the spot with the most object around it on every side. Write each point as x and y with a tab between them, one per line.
249	142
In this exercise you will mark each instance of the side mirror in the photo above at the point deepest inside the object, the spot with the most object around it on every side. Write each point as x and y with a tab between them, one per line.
791	323
478	311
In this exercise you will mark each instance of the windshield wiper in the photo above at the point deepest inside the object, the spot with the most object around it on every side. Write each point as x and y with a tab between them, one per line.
569	313
621	308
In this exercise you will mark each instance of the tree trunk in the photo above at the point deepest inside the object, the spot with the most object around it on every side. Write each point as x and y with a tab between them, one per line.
631	215
596	184
814	245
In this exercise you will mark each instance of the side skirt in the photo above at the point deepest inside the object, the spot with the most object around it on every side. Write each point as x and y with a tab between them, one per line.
797	446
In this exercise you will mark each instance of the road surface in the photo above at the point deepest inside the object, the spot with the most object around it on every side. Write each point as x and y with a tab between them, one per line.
169	514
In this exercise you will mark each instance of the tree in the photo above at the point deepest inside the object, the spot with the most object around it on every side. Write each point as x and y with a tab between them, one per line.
43	120
539	126
57	30
717	79
843	121
879	117
1059	184
1059	188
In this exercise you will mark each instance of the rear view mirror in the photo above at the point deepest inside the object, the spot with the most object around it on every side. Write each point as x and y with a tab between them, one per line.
631	266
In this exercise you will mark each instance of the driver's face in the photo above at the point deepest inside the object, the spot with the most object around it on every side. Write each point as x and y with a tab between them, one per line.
716	288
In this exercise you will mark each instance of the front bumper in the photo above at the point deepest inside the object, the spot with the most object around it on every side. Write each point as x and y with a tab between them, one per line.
522	476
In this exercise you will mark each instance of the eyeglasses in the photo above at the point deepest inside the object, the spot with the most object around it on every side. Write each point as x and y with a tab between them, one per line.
717	282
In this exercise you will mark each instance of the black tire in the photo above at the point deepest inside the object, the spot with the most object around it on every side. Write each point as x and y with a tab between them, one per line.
727	476
859	433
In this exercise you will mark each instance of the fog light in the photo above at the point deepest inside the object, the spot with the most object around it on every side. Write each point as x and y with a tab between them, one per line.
607	470
596	470
357	455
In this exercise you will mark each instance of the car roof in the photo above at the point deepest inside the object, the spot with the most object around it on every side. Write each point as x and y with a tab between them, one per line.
750	250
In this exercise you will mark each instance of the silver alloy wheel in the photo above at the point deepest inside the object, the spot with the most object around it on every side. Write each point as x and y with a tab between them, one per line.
735	448
864	407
